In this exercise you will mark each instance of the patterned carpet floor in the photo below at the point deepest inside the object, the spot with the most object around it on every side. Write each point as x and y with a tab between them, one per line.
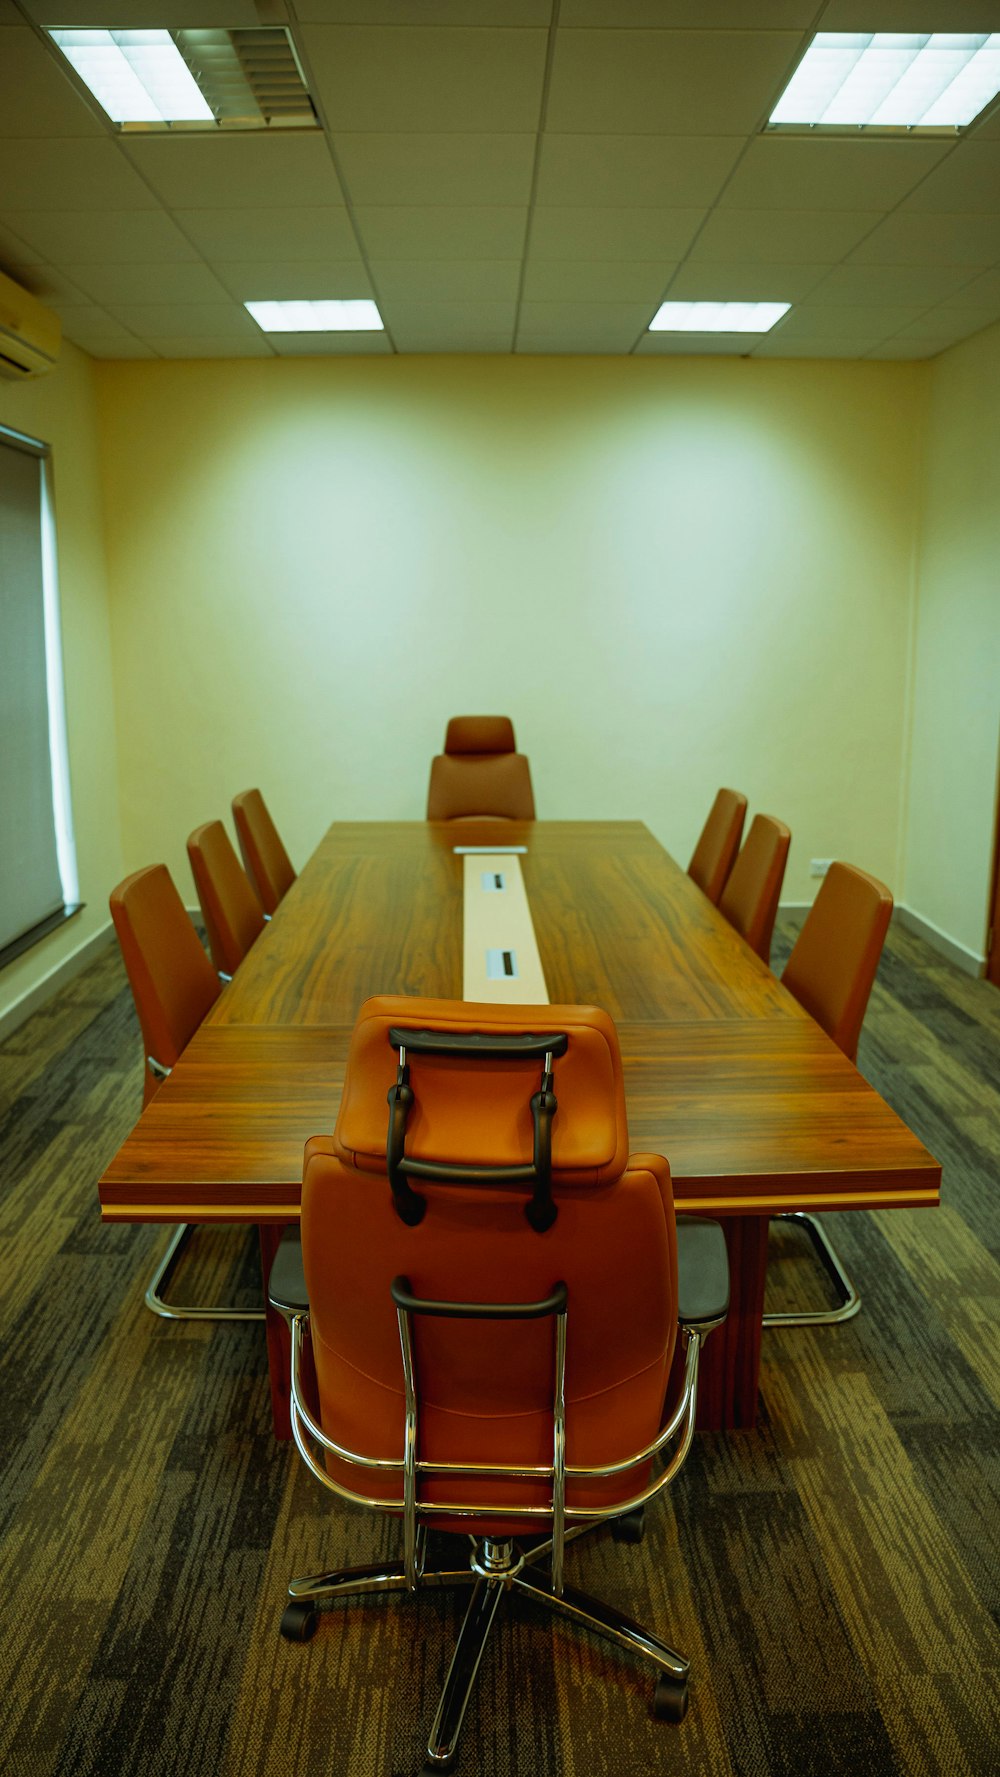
832	1575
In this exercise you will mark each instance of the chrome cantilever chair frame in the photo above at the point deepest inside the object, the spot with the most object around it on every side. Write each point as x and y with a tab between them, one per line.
849	1296
155	1296
496	1564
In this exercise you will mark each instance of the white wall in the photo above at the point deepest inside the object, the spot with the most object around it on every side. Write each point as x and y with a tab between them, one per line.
672	574
59	409
952	784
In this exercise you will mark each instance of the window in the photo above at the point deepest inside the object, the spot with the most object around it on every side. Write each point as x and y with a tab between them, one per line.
38	880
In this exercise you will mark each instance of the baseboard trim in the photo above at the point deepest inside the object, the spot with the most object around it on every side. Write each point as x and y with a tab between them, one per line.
74	964
964	959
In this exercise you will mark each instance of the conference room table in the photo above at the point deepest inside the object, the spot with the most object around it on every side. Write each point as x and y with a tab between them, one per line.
726	1075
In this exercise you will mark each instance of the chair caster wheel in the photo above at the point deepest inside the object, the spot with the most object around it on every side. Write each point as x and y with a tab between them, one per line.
630	1527
298	1621
670	1698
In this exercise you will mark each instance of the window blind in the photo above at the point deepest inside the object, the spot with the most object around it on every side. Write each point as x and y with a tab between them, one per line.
30	883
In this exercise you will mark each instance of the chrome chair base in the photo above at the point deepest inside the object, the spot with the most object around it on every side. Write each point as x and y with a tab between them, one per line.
849	1299
495	1566
155	1297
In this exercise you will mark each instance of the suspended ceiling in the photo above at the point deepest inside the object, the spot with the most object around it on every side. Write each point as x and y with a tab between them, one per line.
501	175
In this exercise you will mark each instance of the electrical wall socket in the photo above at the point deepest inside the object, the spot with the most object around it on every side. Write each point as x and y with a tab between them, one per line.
819	866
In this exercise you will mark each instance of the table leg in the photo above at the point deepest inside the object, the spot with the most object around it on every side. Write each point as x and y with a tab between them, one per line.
727	1380
279	1353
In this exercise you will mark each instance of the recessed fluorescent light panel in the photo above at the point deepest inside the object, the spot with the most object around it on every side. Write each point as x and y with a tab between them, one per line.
136	76
316	317
892	80
717	317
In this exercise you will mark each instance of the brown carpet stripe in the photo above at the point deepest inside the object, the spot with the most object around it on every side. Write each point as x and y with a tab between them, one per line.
832	1576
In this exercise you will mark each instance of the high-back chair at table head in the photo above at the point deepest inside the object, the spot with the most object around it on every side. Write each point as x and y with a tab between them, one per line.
831	972
265	858
480	775
229	907
715	853
492	1310
750	897
173	985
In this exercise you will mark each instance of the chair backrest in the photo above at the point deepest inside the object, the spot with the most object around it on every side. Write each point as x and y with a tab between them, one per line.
172	981
229	907
266	861
836	955
486	1391
750	897
715	852
480	775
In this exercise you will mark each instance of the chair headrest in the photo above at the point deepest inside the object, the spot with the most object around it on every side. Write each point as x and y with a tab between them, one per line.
474	1110
480	734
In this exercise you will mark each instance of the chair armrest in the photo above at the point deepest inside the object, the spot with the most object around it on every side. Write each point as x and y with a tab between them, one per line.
286	1286
702	1273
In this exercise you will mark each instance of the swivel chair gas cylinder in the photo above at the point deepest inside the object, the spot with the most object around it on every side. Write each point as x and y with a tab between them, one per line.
485	1309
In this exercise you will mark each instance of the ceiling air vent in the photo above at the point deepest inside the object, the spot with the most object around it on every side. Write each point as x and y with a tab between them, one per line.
251	79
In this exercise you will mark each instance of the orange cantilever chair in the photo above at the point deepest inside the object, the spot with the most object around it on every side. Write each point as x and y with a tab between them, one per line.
173	985
484	1315
229	907
480	775
831	972
715	852
750	897
265	858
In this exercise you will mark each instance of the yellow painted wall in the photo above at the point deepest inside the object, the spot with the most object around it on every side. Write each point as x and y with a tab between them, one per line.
59	409
956	697
672	574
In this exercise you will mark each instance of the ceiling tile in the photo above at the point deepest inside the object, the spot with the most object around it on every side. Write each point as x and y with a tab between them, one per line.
573	342
196	347
69	175
186	320
968	181
618	322
890	283
125	347
118	237
980	292
774	347
442	319
588	233
230	15
911	15
148	283
234	172
432	12
395	232
685	83
436	169
812	237
14	249
600	280
813	321
744	283
252	235
428	280
50	286
665	172
908	349
379	78
696	345
330	345
36	97
817	173
473	343
948	324
707	15
86	321
307	281
916	238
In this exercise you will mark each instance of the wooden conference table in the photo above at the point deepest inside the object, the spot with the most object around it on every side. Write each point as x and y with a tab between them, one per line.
755	1109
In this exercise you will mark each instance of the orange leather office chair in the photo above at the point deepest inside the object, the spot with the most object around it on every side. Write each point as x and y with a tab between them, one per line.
750	897
266	861
831	972
173	985
715	852
488	1318
480	775
229	907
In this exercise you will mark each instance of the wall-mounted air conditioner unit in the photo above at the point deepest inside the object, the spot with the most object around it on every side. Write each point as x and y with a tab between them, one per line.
29	332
